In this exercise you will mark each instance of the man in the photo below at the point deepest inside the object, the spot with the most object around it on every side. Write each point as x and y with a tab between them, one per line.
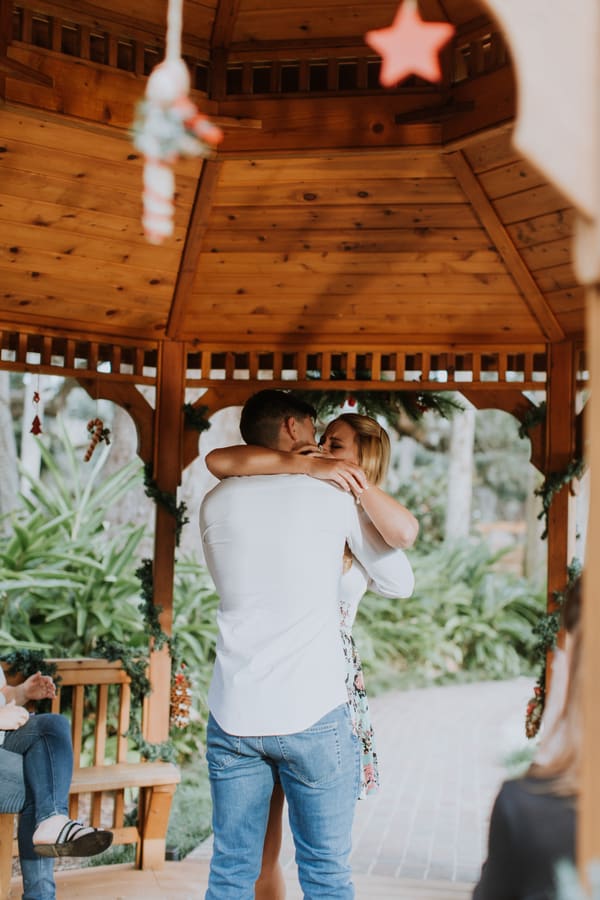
278	699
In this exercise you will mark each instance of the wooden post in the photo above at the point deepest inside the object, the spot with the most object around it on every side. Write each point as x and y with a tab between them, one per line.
588	831
560	448
167	468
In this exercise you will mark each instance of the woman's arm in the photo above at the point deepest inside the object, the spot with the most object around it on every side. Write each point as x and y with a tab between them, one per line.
12	716
394	522
243	459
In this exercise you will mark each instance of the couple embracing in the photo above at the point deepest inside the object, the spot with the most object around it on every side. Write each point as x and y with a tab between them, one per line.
291	556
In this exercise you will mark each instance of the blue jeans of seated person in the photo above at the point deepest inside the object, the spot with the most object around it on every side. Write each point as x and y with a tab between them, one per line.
319	770
44	745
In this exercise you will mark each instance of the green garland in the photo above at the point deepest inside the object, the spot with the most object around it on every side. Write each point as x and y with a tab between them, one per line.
195	417
28	662
534	416
546	631
164	750
134	664
553	484
167	500
389	405
149	609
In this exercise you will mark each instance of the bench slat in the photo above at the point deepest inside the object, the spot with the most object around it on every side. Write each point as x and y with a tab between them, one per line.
121	775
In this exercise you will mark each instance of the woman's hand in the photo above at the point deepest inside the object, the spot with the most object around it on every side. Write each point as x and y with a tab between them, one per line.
12	716
345	474
38	687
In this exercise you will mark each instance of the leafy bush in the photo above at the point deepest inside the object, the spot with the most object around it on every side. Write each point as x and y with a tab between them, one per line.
66	578
464	617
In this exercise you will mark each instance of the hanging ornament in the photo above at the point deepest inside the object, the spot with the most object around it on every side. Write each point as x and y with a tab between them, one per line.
36	425
410	46
181	699
535	709
98	433
168	126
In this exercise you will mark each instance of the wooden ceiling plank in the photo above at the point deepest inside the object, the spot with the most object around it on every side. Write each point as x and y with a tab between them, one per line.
421	263
389	216
541	229
537	201
556	278
331	192
355	240
198	224
33	239
548	254
490	220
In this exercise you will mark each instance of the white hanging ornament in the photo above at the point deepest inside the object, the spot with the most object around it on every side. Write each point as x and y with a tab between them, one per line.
168	126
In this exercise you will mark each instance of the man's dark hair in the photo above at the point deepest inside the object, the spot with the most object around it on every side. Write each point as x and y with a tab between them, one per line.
264	413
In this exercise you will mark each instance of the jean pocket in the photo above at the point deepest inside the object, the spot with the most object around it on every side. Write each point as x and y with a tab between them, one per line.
314	755
222	749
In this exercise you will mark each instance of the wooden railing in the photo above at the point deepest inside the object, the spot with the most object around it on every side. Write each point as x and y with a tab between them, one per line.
300	69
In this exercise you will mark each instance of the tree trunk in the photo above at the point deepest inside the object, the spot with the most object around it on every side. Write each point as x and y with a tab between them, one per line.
9	476
460	474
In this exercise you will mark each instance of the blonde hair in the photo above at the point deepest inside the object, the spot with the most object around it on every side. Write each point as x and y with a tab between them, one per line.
373	445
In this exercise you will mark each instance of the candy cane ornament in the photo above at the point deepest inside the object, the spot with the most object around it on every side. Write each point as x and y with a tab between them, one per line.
169	126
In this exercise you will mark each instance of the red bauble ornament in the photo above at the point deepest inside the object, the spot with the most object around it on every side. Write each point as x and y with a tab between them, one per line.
36	426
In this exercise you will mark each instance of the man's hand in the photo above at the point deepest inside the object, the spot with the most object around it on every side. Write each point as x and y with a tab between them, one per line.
12	716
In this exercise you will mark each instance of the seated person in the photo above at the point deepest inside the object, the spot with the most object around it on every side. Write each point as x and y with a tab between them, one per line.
36	761
533	820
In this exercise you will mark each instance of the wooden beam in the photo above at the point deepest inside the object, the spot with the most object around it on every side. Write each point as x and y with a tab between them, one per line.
198	224
224	23
6	11
516	404
486	134
498	234
24	73
560	450
588	825
167	468
231	394
127	396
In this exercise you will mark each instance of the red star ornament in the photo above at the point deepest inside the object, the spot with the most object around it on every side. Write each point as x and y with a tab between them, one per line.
410	46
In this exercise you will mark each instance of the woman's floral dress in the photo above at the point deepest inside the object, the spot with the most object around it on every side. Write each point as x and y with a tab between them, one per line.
353	585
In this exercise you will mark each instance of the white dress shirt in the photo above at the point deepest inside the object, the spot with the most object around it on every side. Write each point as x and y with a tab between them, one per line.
274	547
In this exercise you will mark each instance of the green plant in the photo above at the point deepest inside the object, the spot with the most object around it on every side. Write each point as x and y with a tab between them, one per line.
463	617
66	577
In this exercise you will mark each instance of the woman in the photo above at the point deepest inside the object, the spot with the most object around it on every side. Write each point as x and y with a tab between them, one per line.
533	820
36	761
361	442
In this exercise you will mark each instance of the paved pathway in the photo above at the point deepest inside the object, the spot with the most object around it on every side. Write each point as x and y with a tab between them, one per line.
443	753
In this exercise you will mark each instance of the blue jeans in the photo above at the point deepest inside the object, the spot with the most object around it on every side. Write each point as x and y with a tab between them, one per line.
44	744
319	770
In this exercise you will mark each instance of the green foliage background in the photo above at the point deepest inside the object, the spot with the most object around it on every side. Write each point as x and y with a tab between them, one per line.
67	580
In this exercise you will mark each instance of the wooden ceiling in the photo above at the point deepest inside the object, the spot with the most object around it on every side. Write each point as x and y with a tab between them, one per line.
335	212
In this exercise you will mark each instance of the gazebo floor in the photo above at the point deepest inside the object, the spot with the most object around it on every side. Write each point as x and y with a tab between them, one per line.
186	880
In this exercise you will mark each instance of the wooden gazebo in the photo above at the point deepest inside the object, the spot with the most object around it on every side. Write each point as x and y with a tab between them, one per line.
379	237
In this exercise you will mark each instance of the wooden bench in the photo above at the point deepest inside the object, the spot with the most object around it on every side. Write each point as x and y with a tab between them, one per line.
104	772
